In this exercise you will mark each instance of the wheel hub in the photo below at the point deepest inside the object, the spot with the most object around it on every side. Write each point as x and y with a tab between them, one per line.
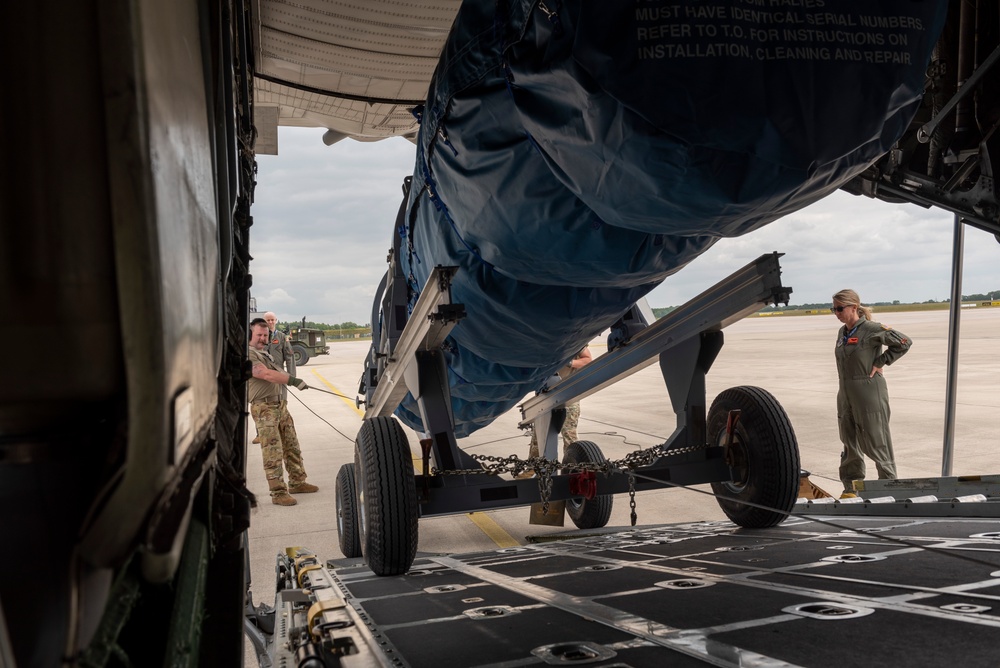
737	458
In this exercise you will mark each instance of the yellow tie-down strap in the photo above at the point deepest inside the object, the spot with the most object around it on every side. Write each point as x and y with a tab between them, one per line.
315	615
305	569
305	559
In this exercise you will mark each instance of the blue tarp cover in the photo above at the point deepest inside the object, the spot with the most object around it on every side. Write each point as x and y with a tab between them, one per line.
572	155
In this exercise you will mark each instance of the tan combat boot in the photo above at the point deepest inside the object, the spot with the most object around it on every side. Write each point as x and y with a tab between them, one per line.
303	488
279	493
283	499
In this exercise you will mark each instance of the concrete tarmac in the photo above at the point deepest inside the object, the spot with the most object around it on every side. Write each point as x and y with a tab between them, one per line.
791	357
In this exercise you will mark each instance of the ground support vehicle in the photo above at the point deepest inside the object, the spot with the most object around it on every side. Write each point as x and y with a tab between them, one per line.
306	343
743	444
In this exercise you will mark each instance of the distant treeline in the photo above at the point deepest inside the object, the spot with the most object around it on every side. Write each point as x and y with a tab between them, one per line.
309	324
977	297
989	296
344	330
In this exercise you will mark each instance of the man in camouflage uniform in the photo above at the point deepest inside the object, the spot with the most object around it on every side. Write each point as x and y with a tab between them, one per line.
275	427
281	352
568	432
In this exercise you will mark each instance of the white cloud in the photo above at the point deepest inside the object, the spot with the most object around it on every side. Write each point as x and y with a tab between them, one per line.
277	298
323	220
884	251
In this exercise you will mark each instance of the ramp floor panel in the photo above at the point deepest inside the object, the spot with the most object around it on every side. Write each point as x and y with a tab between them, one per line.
844	591
884	638
493	640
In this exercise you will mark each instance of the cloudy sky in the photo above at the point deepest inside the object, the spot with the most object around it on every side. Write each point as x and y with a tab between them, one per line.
323	218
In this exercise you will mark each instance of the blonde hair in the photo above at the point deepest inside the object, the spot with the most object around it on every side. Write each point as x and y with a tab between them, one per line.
851	298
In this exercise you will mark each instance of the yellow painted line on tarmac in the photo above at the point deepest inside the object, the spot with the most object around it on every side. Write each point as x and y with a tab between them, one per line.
481	520
493	530
349	402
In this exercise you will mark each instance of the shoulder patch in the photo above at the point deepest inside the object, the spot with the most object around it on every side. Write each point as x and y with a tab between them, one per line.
887	328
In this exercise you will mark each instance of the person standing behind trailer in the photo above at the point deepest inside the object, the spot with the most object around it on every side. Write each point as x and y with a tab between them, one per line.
568	432
582	359
281	352
274	424
280	348
863	397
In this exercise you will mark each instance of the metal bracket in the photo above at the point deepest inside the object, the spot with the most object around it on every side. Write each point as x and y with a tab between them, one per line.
431	320
961	496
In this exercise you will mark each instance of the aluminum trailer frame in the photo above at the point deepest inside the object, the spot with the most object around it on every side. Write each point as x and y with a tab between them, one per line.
685	342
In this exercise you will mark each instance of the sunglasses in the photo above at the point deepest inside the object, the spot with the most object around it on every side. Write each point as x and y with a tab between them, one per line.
838	309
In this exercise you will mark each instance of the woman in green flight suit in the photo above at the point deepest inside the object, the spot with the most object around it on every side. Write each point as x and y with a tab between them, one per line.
863	399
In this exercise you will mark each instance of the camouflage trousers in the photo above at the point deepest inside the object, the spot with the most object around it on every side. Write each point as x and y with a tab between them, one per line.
568	431
278	443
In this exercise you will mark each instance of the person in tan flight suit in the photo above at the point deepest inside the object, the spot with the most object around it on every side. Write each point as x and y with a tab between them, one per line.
862	349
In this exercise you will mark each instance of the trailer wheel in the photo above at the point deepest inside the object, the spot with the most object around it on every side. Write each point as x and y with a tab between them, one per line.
587	513
300	354
387	496
764	457
347	513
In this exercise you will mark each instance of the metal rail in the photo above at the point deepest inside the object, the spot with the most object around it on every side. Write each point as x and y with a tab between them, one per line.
429	324
953	496
730	300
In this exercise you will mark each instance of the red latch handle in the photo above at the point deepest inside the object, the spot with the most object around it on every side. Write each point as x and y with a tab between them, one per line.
583	484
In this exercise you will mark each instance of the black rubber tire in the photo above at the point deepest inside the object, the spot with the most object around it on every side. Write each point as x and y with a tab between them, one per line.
387	496
766	457
301	354
593	513
347	512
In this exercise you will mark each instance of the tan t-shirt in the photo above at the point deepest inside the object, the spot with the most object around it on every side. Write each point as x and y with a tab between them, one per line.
258	388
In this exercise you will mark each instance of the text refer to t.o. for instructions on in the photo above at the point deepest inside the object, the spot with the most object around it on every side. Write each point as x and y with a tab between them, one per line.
772	30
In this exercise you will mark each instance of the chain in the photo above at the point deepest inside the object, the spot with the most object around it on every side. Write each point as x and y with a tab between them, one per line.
514	465
544	469
545	490
631	497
